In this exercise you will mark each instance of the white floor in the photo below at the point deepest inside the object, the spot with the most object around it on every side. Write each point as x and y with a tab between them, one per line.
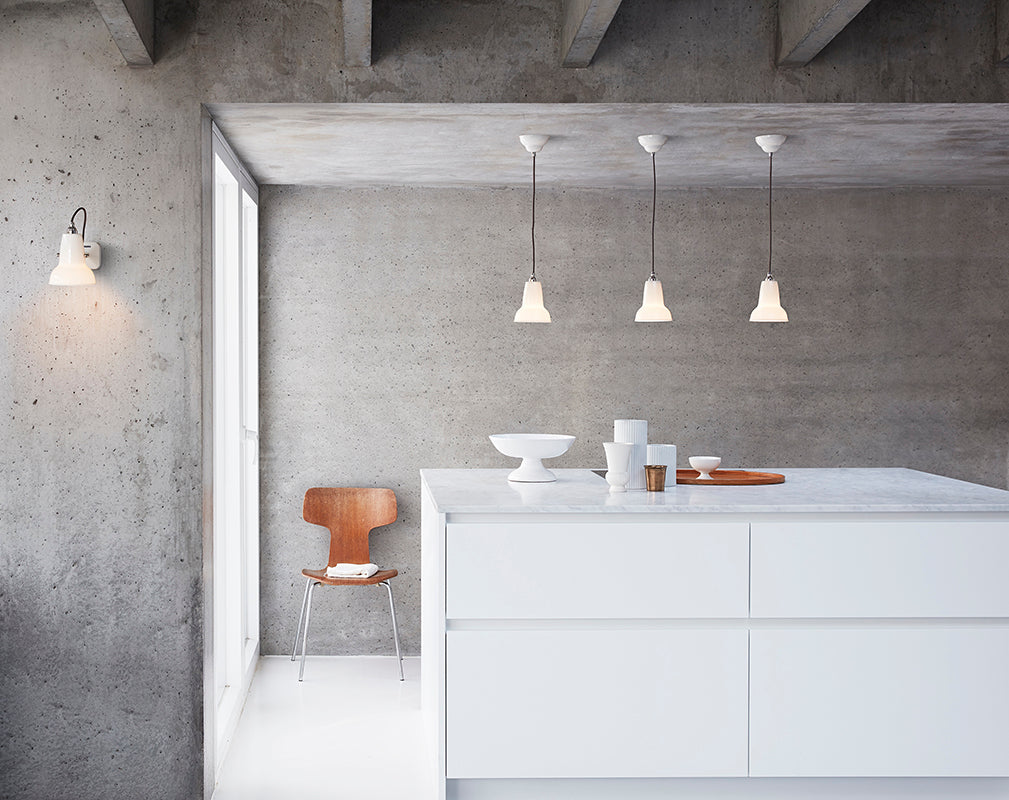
350	730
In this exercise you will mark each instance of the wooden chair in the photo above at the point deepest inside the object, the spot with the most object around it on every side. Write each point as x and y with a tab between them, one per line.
350	515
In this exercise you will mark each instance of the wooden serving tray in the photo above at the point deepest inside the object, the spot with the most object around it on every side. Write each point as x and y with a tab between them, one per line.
729	477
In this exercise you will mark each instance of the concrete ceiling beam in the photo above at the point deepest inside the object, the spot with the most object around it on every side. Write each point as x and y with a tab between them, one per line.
1002	31
583	26
805	27
356	32
131	23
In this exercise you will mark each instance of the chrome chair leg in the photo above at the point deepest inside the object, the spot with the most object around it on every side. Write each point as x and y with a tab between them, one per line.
395	628
304	640
301	618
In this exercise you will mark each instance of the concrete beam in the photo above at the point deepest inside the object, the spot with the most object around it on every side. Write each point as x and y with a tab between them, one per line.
131	23
805	27
583	27
1002	31
356	32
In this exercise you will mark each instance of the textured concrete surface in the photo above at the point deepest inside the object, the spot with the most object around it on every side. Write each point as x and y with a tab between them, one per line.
355	20
131	25
583	25
595	145
100	685
100	610
388	346
805	27
1002	31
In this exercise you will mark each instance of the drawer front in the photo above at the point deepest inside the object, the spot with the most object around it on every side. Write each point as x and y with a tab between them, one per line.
528	570
596	704
879	702
929	568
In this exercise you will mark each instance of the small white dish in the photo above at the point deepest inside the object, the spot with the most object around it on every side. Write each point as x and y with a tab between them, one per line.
531	448
705	465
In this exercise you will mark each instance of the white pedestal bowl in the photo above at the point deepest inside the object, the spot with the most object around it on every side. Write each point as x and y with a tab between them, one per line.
532	448
705	465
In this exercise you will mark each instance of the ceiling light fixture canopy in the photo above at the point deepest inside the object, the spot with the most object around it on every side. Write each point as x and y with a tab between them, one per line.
769	300
653	306
78	258
532	309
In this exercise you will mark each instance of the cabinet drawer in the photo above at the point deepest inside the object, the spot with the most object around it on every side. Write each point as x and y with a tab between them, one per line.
879	702
596	704
928	568
557	570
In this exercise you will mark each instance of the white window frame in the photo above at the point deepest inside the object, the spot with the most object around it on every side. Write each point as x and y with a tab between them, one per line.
231	446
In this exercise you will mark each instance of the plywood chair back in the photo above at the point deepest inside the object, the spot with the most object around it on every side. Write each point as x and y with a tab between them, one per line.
350	515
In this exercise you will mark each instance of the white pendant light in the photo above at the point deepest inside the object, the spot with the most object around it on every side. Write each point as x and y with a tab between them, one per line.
653	306
532	309
77	259
769	301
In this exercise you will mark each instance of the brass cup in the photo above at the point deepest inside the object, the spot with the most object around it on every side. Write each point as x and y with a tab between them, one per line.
655	477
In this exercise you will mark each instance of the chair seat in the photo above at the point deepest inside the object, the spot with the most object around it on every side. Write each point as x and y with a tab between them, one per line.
378	577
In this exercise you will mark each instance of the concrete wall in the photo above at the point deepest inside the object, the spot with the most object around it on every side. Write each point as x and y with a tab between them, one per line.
388	347
100	684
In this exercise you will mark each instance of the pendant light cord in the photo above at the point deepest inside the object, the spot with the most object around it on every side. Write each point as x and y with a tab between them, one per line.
770	218
532	231
654	185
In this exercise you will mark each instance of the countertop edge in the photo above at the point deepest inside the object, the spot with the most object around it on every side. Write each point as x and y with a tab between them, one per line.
522	498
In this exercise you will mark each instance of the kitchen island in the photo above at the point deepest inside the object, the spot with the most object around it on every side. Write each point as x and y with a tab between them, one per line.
844	634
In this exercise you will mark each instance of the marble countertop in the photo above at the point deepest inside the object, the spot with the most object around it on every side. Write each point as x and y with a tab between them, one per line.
485	491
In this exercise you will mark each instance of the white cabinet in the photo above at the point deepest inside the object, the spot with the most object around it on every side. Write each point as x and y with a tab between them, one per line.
591	570
572	694
917	701
639	653
880	568
596	703
891	663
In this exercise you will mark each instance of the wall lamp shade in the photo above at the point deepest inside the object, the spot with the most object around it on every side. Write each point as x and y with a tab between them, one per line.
532	309
78	259
768	304
653	306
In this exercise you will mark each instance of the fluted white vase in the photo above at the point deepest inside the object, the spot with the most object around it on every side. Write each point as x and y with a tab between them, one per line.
664	454
634	431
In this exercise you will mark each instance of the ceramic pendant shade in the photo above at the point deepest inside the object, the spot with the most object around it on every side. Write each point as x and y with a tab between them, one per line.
769	301
653	304
532	309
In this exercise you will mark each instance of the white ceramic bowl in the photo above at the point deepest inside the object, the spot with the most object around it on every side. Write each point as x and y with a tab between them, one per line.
705	465
531	448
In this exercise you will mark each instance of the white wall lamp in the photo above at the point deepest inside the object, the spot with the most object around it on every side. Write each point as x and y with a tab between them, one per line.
78	259
653	306
532	309
769	300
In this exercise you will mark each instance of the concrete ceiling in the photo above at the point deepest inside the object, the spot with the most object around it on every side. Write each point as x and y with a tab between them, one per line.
594	145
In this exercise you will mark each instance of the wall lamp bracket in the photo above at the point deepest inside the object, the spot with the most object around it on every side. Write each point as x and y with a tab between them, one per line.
93	254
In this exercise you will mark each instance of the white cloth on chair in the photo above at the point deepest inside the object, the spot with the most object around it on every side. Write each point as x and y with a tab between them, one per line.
351	571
